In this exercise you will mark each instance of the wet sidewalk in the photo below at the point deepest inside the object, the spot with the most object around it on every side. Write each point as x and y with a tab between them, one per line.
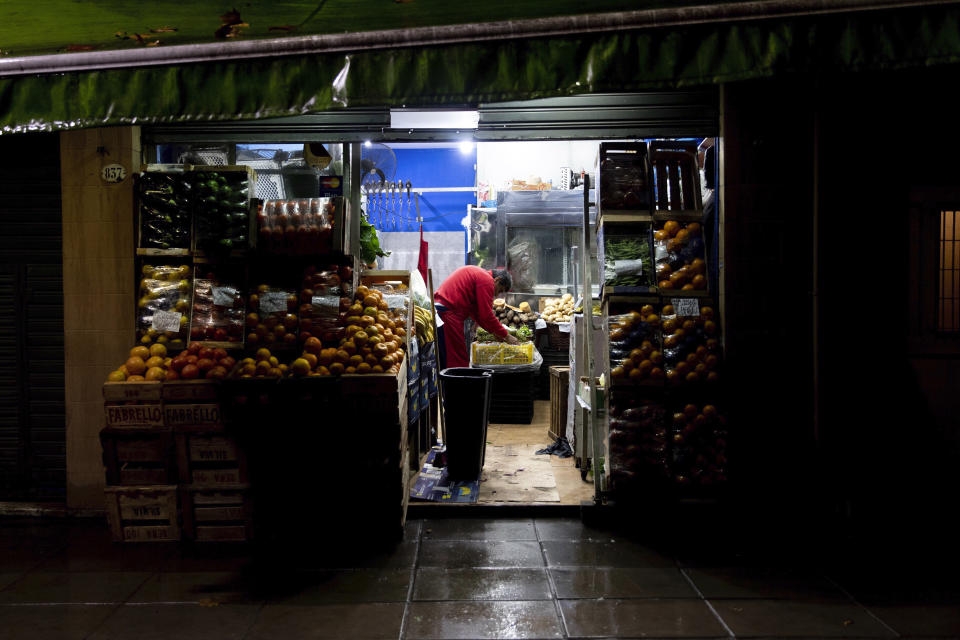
457	578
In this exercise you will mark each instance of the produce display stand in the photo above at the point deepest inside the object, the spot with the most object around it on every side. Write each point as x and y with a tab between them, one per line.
228	458
663	437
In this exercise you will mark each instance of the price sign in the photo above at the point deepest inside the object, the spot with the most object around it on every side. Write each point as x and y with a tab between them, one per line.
223	296
166	321
628	267
395	301
113	173
686	306
661	253
540	324
273	302
563	327
326	306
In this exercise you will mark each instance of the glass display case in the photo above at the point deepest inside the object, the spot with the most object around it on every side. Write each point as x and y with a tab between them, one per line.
536	235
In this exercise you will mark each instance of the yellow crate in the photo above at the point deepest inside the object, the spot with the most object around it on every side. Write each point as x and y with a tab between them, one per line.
500	353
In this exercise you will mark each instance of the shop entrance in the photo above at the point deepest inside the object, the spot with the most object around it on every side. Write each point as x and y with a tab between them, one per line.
506	195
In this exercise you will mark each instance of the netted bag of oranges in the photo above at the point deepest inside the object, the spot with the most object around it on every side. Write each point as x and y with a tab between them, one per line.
635	352
679	256
691	346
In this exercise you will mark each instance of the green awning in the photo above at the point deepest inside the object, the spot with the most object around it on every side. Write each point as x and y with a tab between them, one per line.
483	71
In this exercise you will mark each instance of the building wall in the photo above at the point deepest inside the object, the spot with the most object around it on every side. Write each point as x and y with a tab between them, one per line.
98	291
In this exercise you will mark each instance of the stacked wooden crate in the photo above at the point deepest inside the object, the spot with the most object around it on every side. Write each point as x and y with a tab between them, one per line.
172	469
138	453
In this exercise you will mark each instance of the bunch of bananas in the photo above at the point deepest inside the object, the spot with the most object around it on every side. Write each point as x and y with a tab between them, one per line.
423	321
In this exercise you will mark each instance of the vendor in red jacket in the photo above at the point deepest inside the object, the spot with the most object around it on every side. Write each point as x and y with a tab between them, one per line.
465	297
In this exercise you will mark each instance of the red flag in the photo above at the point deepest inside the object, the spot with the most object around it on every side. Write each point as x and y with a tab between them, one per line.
422	260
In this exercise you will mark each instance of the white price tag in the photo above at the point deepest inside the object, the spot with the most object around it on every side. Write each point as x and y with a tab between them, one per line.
628	267
223	296
686	306
273	302
563	327
326	305
166	321
395	301
661	253
540	324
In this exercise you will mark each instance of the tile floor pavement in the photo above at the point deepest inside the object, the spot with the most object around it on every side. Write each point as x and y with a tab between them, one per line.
456	579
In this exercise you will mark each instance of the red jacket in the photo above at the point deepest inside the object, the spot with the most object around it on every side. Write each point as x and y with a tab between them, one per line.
469	292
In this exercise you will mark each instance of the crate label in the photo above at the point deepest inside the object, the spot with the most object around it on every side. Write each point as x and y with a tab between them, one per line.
166	320
139	507
218	497
274	302
192	414
628	267
134	414
212	450
150	533
216	476
189	390
685	306
213	514
141	450
223	296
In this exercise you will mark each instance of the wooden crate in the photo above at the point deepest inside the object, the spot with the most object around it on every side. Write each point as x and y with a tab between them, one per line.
138	456
142	514
133	404
189	390
376	397
210	459
559	388
217	514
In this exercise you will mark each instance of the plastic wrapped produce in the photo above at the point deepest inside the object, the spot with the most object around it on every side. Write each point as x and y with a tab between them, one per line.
165	206
639	441
679	254
635	352
324	303
272	317
626	258
699	442
218	309
163	309
222	209
691	345
297	226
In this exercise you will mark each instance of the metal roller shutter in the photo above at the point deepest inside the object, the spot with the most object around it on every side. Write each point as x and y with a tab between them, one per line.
32	422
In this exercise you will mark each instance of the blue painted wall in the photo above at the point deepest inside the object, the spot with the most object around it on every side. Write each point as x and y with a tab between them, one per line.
440	168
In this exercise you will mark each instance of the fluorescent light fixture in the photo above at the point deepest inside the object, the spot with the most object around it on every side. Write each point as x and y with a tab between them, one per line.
367	143
466	146
433	119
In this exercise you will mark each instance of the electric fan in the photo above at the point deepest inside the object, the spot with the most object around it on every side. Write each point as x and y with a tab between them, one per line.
378	164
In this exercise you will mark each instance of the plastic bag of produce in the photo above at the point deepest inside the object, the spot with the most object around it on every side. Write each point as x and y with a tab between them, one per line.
322	301
639	441
218	309
691	342
626	258
679	255
523	263
635	351
699	444
297	226
272	317
164	306
222	208
165	209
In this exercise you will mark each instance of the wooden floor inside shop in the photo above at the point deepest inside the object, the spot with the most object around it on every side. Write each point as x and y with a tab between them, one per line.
514	474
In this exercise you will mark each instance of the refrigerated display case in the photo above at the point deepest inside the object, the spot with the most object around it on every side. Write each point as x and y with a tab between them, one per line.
536	235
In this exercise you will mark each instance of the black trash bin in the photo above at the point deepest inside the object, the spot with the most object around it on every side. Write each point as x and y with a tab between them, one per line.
466	406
